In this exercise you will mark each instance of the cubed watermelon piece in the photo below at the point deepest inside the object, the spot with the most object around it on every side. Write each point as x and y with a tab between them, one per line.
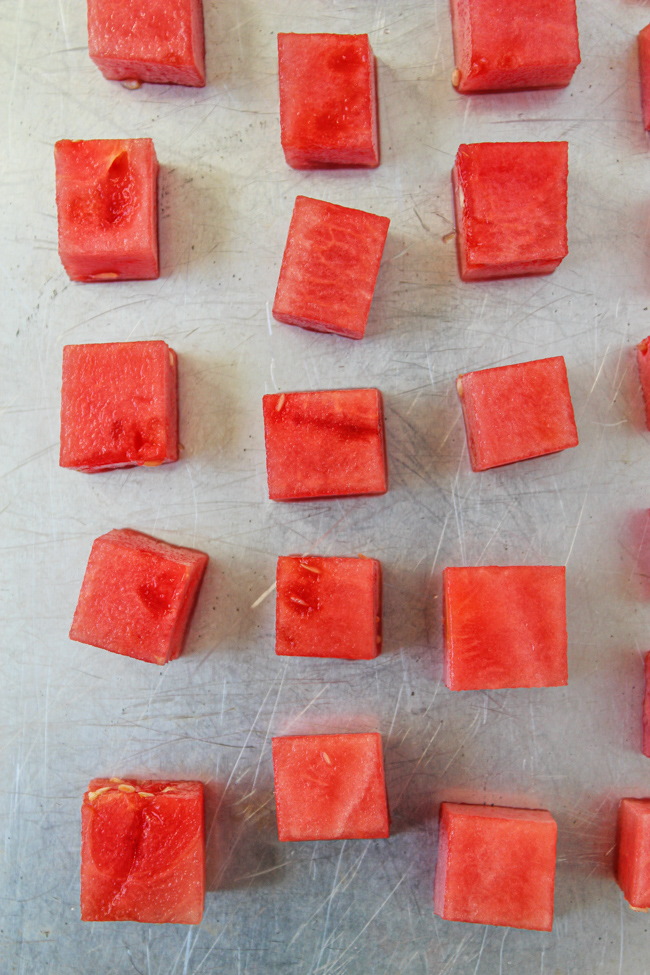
496	865
644	71
324	444
643	362
330	267
646	708
158	40
142	851
328	100
505	45
330	787
516	412
328	607
107	203
511	208
118	406
137	596
633	855
505	626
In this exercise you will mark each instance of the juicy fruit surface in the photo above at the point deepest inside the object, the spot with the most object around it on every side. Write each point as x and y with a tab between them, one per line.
328	100
158	41
505	626
106	196
328	607
330	267
137	596
330	787
633	854
118	405
326	443
503	45
142	852
516	412
511	208
496	865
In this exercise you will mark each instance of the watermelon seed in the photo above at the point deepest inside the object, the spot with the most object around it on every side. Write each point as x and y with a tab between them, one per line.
132	84
104	276
146	795
326	758
455	78
126	788
280	402
310	568
295	599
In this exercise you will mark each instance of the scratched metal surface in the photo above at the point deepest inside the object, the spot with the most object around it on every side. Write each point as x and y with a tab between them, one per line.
70	712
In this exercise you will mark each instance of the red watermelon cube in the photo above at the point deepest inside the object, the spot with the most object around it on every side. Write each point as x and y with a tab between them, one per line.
328	607
505	626
643	362
330	267
324	444
107	203
158	40
118	406
328	100
142	852
633	854
644	71
516	412
496	865
137	596
505	45
330	787
511	208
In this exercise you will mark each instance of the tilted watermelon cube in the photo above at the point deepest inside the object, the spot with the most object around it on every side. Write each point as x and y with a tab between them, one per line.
142	851
328	100
330	267
643	362
107	203
137	596
323	444
644	72
118	405
496	865
511	208
633	854
158	40
505	626
516	412
328	607
330	787
504	45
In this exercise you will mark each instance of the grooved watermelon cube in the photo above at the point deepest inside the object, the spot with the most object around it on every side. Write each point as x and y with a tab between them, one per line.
633	855
156	40
328	100
324	444
330	787
107	204
137	596
516	412
504	45
142	852
328	607
505	626
330	267
496	865
118	406
511	208
643	362
644	71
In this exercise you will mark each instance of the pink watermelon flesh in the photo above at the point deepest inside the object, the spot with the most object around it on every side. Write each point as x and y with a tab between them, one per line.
644	71
633	855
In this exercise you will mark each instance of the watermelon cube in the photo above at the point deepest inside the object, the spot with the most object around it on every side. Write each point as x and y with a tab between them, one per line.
330	787
328	100
633	854
511	208
158	40
644	71
107	203
142	851
328	607
330	267
496	865
643	362
118	406
516	412
324	444
505	626
505	45
137	596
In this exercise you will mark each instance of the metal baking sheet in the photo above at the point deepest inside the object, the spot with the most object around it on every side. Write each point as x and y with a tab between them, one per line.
71	712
